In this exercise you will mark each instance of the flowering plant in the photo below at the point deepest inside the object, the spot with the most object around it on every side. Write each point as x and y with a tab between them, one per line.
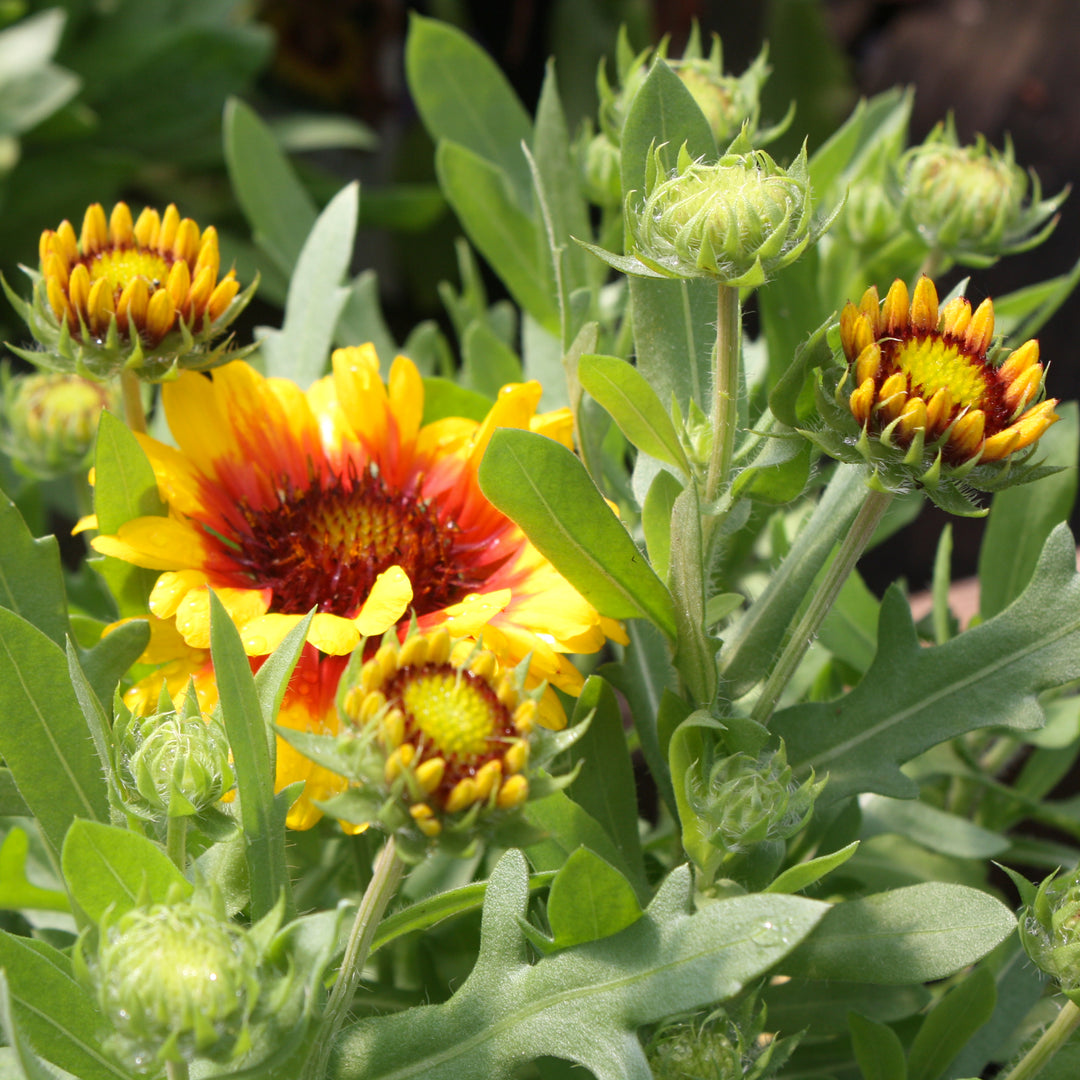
513	706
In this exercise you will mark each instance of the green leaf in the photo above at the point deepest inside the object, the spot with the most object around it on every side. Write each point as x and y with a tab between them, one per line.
300	350
545	489
16	890
1021	517
566	826
953	1021
502	232
361	318
632	403
798	1004
877	1048
1023	313
849	631
29	1065
124	488
109	867
253	763
105	663
778	472
488	363
11	802
53	1011
443	397
589	900
279	209
907	935
31	582
656	520
584	1003
935	829
43	738
272	678
754	640
434	909
914	698
802	875
695	648
605	786
462	96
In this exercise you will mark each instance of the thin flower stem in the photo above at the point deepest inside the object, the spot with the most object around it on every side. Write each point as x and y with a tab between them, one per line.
134	413
176	1070
851	547
176	841
1050	1042
725	407
386	874
932	264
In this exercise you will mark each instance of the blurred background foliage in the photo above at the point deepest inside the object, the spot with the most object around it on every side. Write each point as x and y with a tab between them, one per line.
108	99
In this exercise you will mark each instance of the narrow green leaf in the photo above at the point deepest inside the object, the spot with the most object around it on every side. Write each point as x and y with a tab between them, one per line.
545	489
849	631
300	350
502	232
656	520
462	96
43	738
632	403
279	209
53	1011
582	1004
361	318
488	363
272	679
953	1021
30	1066
695	648
940	589
935	829
566	826
443	398
11	802
802	875
16	890
1021	517
124	488
111	656
914	698
98	720
253	763
799	1004
589	900
31	582
907	935
105	866
878	1049
605	786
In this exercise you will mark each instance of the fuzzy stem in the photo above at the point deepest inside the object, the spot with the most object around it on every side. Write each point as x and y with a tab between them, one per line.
847	555
134	413
384	882
176	841
1050	1042
725	406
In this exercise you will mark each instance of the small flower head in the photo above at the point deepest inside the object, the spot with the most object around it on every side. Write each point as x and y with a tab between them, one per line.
49	422
176	981
737	221
929	403
600	164
141	295
869	219
174	764
1050	930
440	740
971	202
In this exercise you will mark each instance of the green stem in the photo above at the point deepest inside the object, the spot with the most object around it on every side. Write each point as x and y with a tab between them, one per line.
932	265
384	882
725	405
176	1070
851	547
176	841
134	413
1050	1042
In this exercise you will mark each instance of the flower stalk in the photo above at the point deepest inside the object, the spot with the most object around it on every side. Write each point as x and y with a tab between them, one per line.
385	878
1050	1042
134	413
725	389
851	548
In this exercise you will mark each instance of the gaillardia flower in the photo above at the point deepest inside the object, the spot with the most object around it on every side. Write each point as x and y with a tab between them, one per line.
140	295
341	500
439	741
929	403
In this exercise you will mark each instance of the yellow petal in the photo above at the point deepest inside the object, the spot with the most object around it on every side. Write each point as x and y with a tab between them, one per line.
386	603
406	394
243	606
171	588
262	635
513	408
471	615
557	424
157	543
924	306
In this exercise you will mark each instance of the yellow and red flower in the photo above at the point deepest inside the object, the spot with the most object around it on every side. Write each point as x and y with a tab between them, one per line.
935	403
918	368
340	499
127	294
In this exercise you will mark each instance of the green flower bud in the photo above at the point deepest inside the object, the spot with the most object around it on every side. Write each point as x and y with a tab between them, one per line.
747	800
1050	930
176	982
971	202
870	218
177	765
600	172
727	1044
49	422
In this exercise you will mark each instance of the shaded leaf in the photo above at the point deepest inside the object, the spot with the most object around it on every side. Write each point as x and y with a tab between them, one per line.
31	582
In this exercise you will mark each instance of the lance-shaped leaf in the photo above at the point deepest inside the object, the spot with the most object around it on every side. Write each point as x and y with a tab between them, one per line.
914	698
583	1004
544	488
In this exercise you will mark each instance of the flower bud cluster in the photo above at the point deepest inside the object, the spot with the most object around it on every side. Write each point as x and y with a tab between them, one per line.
1050	930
